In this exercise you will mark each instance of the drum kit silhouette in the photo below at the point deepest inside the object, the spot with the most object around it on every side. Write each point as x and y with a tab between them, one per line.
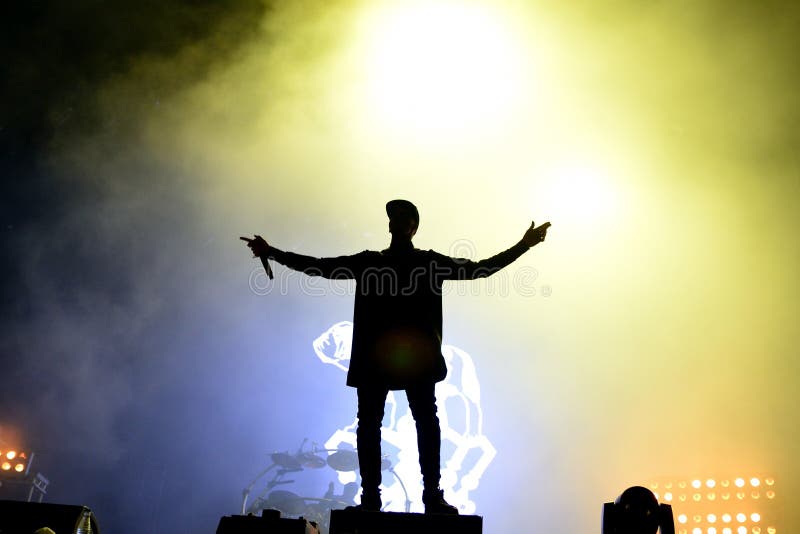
315	509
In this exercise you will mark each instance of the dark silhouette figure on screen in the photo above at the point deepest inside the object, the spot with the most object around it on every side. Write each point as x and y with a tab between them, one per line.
397	335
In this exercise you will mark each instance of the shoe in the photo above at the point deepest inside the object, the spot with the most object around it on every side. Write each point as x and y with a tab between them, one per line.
435	504
369	503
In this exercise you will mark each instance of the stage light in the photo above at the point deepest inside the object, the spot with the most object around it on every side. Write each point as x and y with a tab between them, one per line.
682	519
769	481
442	69
755	517
711	518
727	530
726	518
637	511
770	494
755	482
711	530
741	518
741	530
15	464
711	483
668	496
696	484
739	482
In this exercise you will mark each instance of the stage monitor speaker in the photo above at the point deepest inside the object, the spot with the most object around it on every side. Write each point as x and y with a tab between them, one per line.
358	522
18	517
270	522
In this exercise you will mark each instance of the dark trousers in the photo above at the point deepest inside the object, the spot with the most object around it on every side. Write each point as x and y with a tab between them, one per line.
371	403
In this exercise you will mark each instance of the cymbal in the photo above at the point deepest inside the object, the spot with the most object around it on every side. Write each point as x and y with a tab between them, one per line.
287	461
343	460
311	460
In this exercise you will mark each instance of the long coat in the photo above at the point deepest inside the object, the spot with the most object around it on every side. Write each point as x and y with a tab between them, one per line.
397	319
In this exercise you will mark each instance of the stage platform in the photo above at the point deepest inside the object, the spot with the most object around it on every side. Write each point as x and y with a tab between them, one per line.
358	522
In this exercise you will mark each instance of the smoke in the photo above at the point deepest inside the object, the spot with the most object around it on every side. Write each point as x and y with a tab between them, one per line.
143	138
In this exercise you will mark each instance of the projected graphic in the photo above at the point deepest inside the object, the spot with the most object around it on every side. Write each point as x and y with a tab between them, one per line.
466	451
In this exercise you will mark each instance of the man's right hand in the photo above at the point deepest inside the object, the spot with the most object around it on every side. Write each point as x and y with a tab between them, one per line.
535	235
257	245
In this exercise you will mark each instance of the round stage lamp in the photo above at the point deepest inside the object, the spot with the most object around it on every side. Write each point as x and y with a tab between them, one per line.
637	511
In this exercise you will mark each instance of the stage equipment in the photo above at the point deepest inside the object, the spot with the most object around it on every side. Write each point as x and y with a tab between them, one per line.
738	503
15	463
637	511
17	517
314	509
270	522
360	522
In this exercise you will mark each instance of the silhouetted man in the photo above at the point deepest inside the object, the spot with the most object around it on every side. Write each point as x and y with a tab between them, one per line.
397	335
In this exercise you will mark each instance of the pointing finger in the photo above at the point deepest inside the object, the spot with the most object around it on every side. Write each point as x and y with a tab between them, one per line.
245	239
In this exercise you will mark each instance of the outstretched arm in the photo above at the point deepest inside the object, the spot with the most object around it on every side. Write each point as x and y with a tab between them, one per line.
464	269
342	267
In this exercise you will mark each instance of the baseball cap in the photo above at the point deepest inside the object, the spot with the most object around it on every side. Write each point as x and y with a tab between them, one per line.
400	207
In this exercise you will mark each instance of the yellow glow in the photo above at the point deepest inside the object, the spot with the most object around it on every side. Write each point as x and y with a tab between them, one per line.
742	530
755	517
726	530
755	482
436	68
711	483
712	530
19	468
739	482
769	481
682	519
741	518
697	530
696	483
668	496
726	518
711	518
6	466
11	455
